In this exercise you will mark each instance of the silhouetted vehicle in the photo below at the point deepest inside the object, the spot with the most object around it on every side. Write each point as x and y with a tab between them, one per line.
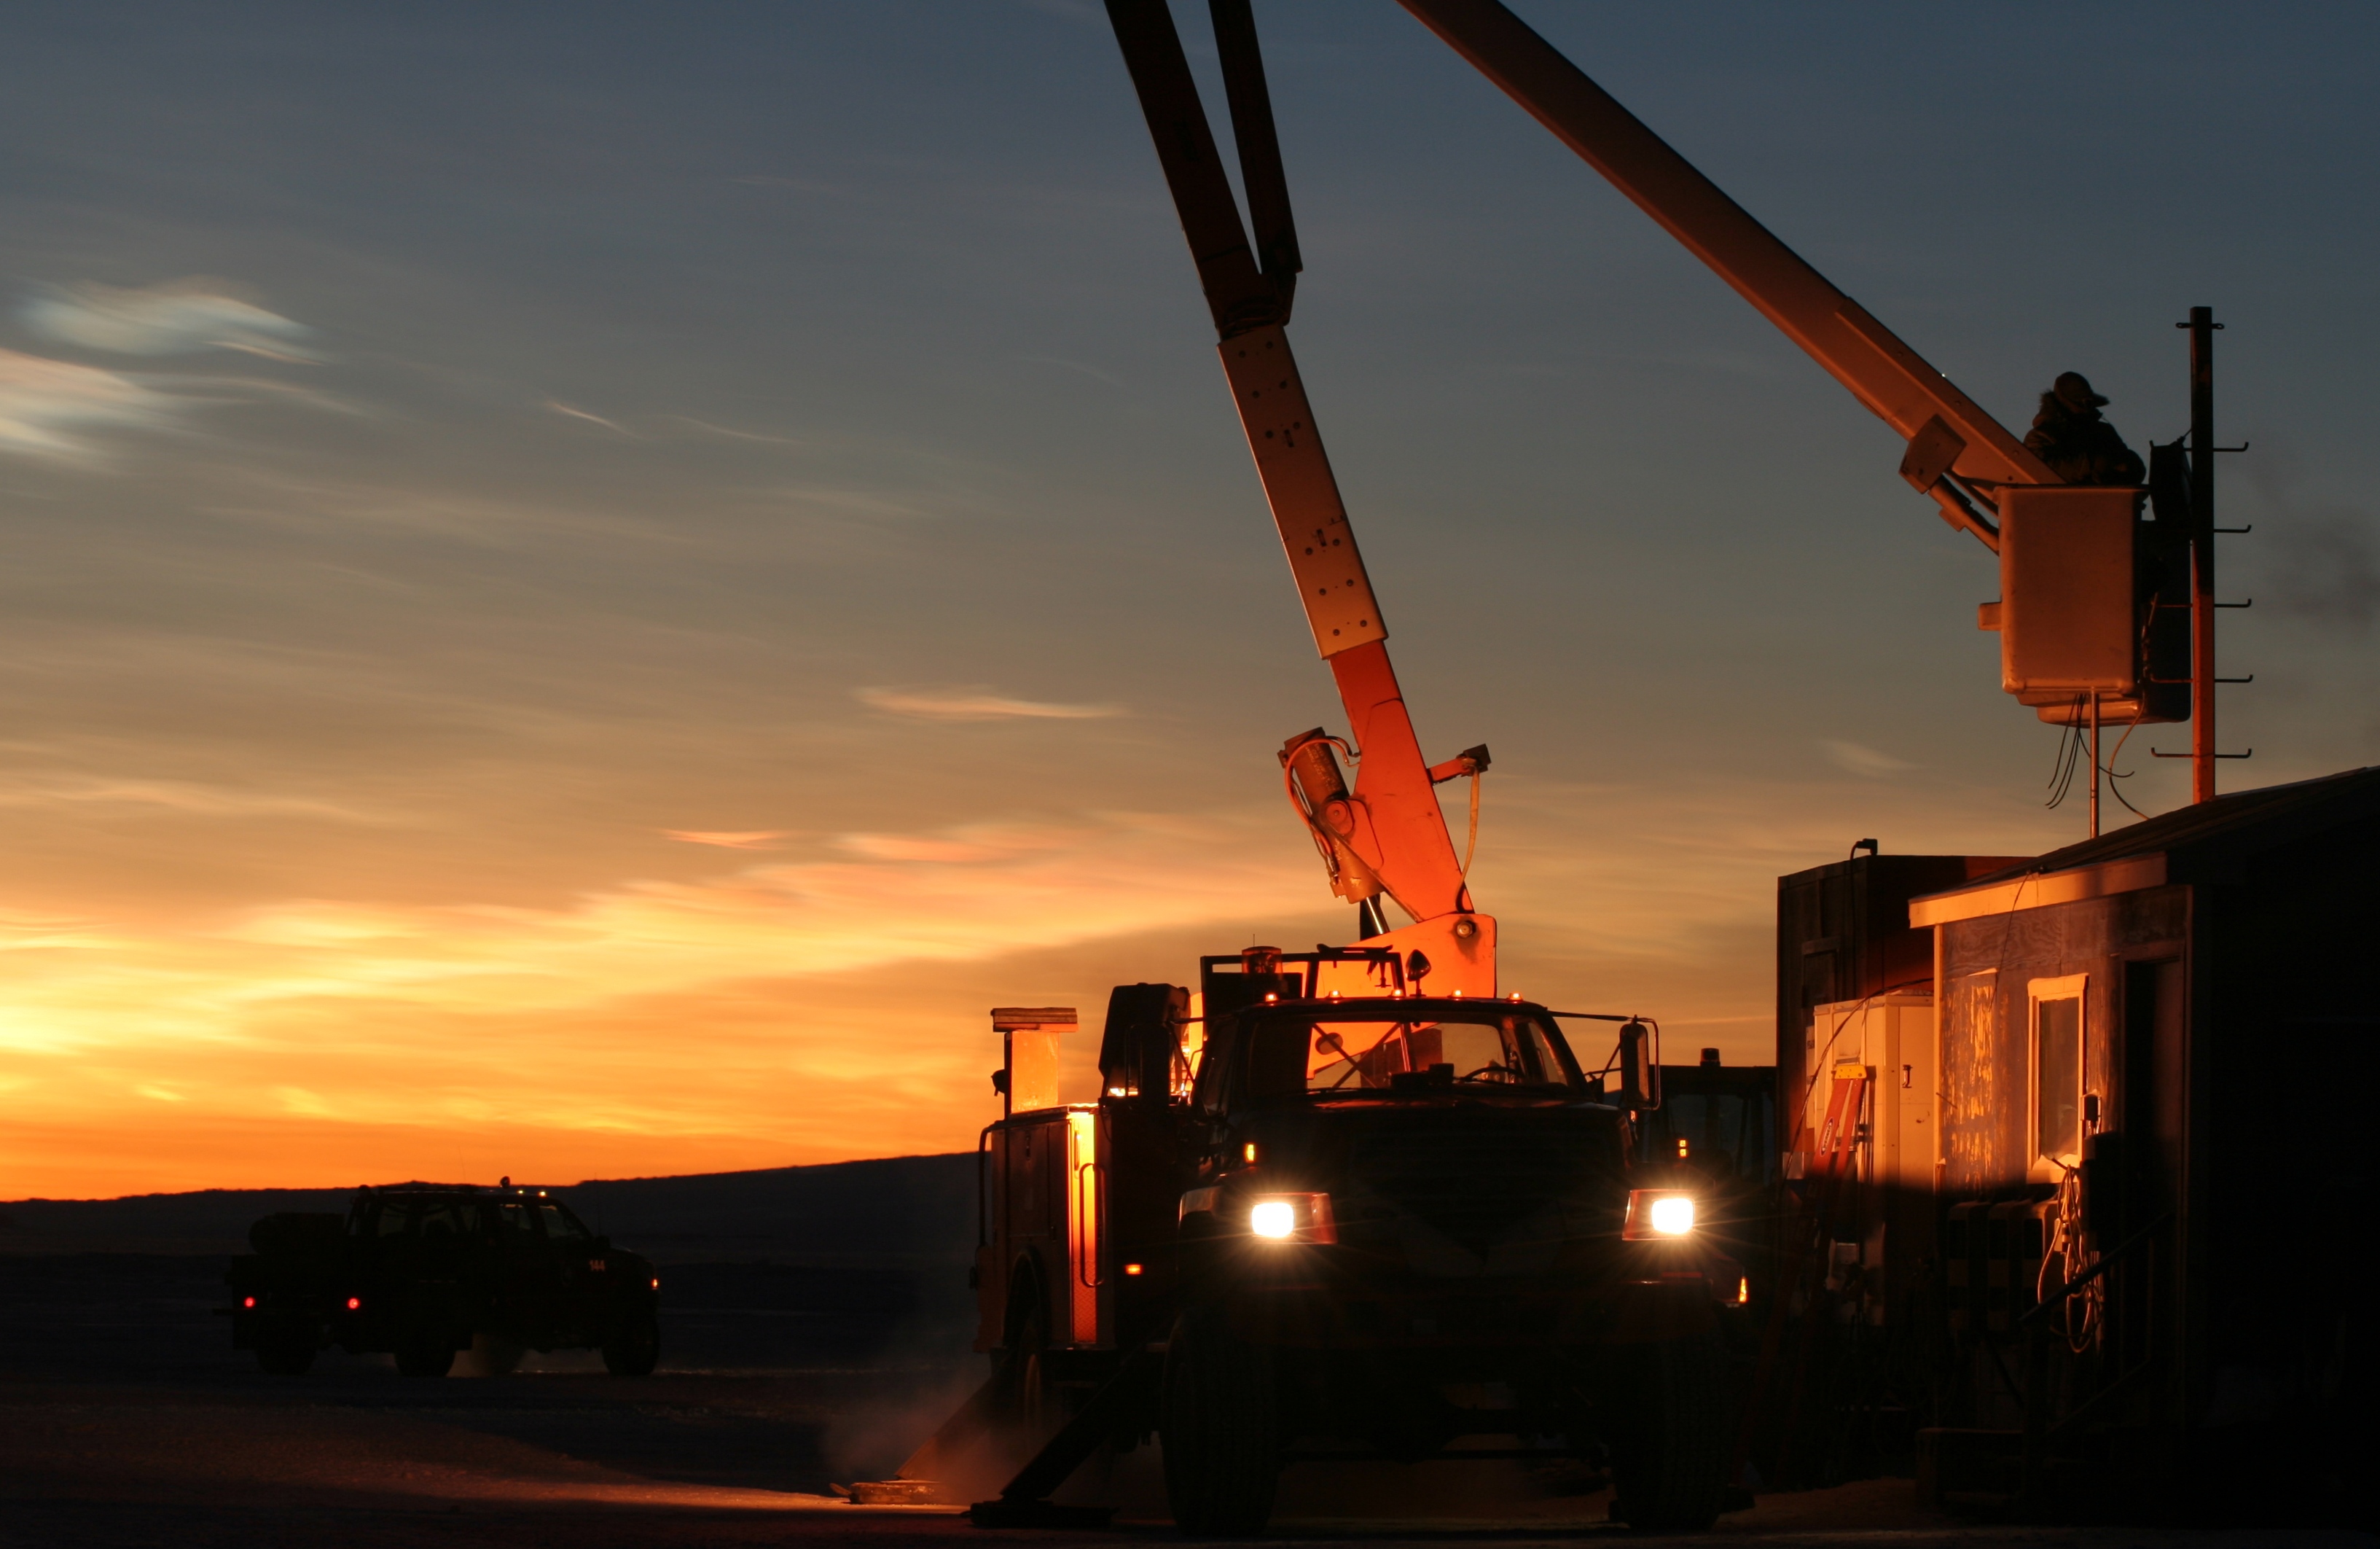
1370	1225
421	1271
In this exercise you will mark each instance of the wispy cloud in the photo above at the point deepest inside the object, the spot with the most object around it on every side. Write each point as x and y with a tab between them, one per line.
969	845
184	798
731	434
1865	763
151	995
45	404
175	319
255	389
567	412
757	838
976	704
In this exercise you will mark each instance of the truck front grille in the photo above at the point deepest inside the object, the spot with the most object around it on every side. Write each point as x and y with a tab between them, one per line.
1480	1178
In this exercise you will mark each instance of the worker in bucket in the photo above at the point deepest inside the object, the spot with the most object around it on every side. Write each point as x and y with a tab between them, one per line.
2080	446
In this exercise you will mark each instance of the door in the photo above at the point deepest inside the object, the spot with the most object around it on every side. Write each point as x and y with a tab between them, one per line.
527	1292
583	1274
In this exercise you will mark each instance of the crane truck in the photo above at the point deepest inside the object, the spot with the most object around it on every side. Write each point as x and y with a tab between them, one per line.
1355	1201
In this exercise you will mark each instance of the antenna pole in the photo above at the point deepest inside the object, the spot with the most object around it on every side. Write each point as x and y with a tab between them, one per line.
2202	327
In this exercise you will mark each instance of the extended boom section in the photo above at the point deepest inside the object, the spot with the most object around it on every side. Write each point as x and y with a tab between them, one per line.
2097	642
1958	453
1388	835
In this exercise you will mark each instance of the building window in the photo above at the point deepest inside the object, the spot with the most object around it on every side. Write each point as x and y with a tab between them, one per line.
2058	1051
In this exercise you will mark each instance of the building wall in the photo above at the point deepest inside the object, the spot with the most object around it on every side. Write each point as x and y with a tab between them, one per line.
1988	966
1843	934
2282	1145
2233	1031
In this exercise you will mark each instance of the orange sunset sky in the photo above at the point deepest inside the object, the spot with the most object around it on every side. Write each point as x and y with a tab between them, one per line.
585	589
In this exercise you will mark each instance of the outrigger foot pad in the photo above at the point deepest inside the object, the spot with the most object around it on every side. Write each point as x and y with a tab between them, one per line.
1005	1513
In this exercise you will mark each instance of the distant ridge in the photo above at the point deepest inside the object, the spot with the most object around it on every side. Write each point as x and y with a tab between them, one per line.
884	1212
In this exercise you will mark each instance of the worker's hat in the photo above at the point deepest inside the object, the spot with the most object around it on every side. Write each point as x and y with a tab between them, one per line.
2073	390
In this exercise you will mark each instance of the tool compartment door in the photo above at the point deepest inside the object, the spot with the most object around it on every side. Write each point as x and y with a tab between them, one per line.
1086	1204
1047	1216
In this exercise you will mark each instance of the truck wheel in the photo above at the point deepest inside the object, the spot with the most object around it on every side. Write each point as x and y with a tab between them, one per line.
1221	1426
427	1354
1670	1454
285	1358
636	1348
1022	1398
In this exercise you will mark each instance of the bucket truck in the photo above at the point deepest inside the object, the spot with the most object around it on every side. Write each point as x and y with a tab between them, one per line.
1352	1203
1348	1202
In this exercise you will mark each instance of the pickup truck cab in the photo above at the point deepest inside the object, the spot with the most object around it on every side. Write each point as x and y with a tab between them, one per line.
421	1271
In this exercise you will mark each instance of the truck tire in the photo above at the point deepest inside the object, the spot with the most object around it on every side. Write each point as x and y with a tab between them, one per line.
1670	1456
285	1358
636	1349
426	1353
1220	1422
1021	1396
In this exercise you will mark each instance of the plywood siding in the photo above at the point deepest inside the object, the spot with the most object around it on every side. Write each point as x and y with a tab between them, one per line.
1987	966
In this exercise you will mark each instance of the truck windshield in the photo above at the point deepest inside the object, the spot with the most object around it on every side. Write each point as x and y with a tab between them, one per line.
1350	1056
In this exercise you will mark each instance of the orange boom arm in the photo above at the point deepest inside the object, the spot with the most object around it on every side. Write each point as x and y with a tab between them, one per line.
1388	836
1957	453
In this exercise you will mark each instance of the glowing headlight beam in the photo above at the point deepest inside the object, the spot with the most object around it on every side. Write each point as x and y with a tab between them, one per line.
1656	1213
1292	1218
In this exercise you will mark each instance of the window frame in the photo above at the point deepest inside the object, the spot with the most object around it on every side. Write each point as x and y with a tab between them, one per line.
2041	1167
568	1217
1569	1080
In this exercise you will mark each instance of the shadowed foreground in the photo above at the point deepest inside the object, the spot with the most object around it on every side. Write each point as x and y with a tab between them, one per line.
125	1419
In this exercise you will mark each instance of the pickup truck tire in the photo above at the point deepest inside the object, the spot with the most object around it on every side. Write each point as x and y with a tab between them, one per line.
425	1354
285	1357
1220	1420
1669	1458
636	1349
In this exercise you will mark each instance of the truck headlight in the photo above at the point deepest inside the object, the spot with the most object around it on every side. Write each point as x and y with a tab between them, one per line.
1293	1218
1656	1213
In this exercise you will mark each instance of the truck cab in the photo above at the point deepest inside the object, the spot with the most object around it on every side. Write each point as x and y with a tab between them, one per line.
1359	1225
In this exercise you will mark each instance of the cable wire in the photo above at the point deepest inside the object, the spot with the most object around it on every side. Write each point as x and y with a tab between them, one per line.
1471	845
2108	769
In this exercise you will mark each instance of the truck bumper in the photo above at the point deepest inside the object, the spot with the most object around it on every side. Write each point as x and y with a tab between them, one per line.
1481	1318
253	1330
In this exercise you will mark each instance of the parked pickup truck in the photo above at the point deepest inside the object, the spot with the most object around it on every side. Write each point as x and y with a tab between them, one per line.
422	1271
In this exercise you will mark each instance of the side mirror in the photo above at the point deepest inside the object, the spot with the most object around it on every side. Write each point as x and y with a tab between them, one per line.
1638	1076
